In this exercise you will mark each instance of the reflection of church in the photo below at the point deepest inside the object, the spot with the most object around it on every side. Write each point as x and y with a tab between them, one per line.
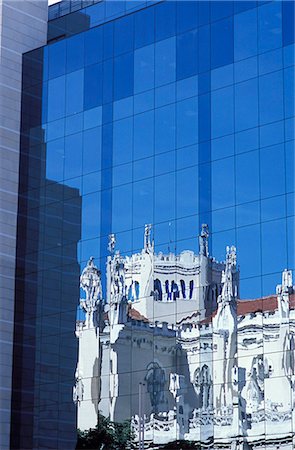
212	368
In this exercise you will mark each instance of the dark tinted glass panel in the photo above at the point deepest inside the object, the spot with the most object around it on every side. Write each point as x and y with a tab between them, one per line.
222	43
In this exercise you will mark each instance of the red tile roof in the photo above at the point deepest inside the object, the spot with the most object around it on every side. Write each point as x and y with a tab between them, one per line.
263	304
135	315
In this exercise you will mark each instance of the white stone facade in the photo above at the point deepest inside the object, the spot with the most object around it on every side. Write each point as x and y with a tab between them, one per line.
224	378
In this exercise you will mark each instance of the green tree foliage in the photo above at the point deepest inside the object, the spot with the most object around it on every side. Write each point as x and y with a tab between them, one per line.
107	435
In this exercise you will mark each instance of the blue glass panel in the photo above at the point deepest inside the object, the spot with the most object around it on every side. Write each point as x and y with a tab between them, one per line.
108	40
124	32
289	129
186	157
56	59
288	22
187	16
92	117
91	182
74	92
244	5
123	108
123	82
246	106
290	242
204	124
92	86
187	88
272	134
187	192
165	127
74	124
220	241
135	4
164	199
274	256
273	208
223	193
222	40
73	157
222	147
270	61
96	13
247	177
204	47
144	135
75	52
55	130
248	243
271	97
144	27
204	12
122	174
289	55
248	213
220	9
247	140
222	112
143	168
289	99
143	194
223	219
107	113
55	160
290	164
269	26
92	150
245	34
108	74
187	54
272	163
93	46
165	56
165	95
223	76
122	141
144	102
114	8
246	69
144	68
165	163
90	216
56	98
204	82
122	208
187	122
165	20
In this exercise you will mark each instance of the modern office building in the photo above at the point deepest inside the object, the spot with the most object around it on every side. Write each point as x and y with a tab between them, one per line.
142	121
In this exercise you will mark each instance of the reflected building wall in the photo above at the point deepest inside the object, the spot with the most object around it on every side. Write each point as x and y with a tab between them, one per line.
166	113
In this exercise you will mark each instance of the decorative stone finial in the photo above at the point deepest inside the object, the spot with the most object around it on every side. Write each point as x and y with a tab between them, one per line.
91	284
203	240
112	242
147	236
228	294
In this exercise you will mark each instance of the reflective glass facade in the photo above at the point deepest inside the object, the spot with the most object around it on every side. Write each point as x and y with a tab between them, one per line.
177	114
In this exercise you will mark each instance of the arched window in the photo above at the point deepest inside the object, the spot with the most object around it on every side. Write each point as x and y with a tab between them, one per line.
136	283
182	284
175	290
168	292
158	295
191	288
155	379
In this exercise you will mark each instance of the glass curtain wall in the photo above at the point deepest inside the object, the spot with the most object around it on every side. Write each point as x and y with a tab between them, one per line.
176	115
